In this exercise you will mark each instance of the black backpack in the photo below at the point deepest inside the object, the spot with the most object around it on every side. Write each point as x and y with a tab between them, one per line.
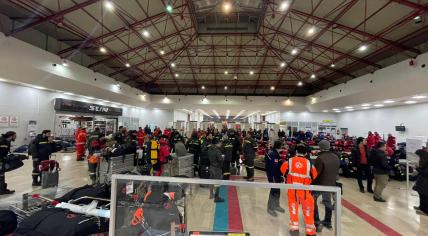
97	190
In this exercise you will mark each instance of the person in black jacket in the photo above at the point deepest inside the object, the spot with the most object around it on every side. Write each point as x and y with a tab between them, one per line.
237	149
249	148
193	146
380	169
273	164
227	152
360	158
41	148
421	185
5	140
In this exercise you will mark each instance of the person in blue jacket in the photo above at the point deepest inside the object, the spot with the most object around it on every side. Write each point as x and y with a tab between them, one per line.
273	164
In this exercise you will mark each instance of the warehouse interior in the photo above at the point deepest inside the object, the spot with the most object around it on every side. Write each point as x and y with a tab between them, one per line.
168	71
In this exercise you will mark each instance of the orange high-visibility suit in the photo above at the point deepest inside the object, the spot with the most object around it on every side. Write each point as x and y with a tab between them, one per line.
80	144
300	171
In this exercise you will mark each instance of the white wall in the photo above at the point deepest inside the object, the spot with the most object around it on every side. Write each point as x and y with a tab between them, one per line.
300	116
180	115
384	120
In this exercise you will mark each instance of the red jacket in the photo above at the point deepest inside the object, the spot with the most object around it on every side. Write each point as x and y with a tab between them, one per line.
391	142
81	138
371	141
140	137
164	152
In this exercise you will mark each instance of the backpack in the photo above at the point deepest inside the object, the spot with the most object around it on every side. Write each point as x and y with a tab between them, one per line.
97	190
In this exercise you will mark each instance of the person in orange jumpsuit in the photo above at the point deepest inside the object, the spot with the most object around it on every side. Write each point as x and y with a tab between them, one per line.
140	137
299	170
80	144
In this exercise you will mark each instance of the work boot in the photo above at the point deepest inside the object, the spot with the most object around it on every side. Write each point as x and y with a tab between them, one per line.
217	197
379	199
327	225
370	190
272	212
362	190
319	227
4	190
250	179
280	209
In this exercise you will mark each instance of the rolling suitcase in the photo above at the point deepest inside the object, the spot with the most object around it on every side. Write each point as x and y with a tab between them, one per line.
50	173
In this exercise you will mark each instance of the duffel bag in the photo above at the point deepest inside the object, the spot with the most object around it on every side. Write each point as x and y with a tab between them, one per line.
59	222
13	162
97	190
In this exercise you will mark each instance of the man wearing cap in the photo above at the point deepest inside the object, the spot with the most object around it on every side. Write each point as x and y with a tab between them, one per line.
327	165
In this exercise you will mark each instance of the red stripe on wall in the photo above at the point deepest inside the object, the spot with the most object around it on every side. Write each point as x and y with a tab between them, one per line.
235	218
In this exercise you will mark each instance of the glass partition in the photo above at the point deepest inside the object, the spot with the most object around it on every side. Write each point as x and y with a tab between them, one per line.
148	205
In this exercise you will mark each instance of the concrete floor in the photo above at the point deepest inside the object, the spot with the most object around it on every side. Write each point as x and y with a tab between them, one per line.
360	214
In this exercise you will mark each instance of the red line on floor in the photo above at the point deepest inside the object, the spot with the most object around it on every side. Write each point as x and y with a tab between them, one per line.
370	219
235	218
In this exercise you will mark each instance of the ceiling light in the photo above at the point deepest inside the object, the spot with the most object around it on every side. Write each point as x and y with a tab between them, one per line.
350	110
300	83
68	93
332	65
365	105
216	113
239	113
284	5
363	48
176	75
227	6
419	97
162	52
388	101
108	5
64	63
39	87
173	64
226	72
294	51
410	102
169	8
235	77
325	111
251	72
202	87
225	87
335	109
282	64
128	65
378	105
311	31
313	76
227	114
103	49
417	18
366	108
272	88
146	33
349	107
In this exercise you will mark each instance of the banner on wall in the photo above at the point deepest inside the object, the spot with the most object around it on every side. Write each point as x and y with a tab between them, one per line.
13	121
4	121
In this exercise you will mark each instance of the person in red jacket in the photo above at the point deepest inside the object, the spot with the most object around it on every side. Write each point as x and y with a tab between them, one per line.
140	137
164	153
371	140
391	142
80	144
377	138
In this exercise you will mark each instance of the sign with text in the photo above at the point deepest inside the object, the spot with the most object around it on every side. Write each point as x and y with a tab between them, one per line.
4	121
83	107
13	121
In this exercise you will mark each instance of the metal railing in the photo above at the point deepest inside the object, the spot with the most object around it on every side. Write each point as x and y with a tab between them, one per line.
334	190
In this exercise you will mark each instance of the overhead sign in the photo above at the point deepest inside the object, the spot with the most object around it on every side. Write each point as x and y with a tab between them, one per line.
83	107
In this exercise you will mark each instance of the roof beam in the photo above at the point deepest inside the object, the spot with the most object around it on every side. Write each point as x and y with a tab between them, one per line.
411	4
54	16
118	31
357	31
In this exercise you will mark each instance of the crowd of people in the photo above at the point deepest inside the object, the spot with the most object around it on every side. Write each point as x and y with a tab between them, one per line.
220	154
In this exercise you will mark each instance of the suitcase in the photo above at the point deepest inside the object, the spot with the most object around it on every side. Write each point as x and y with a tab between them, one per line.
50	179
